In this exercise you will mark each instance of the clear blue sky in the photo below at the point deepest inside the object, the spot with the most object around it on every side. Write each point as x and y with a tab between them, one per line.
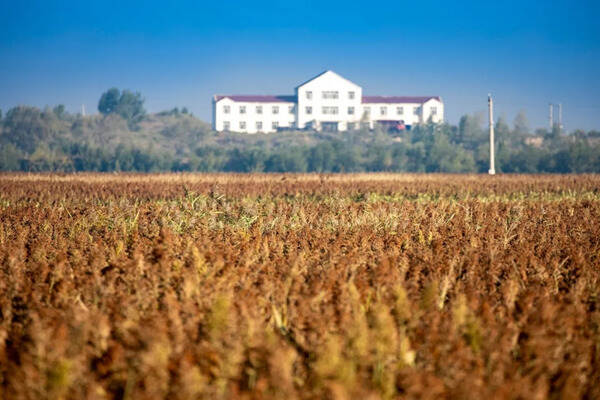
181	53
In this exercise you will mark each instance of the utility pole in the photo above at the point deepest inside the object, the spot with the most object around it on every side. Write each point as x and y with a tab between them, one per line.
492	170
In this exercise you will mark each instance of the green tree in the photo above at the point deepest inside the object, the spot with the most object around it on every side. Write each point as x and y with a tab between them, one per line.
321	157
25	126
504	136
521	124
444	157
287	160
59	111
131	106
9	157
127	104
109	101
501	129
470	132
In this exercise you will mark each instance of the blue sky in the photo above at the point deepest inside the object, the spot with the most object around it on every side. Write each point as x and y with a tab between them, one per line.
181	53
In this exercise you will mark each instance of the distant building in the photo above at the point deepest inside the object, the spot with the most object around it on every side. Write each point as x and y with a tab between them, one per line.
326	102
535	141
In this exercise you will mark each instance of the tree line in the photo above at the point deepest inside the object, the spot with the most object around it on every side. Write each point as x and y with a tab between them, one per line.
123	137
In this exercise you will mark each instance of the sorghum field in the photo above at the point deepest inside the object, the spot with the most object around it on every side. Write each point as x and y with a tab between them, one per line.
299	286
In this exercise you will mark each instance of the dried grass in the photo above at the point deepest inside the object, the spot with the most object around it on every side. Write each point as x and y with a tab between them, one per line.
299	286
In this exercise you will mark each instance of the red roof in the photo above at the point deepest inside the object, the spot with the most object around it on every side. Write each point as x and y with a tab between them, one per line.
399	99
258	98
292	98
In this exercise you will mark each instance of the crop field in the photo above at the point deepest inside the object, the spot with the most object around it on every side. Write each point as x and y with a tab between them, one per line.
306	286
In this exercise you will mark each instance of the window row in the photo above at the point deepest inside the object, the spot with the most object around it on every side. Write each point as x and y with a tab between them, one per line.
258	109
275	125
329	94
367	110
329	110
243	125
400	110
332	110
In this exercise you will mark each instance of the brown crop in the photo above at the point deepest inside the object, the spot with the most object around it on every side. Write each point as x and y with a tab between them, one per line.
299	286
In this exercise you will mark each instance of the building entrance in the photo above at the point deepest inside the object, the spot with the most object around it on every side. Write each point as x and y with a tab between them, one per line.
329	126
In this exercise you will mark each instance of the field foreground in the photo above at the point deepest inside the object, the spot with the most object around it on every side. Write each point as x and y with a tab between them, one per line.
299	286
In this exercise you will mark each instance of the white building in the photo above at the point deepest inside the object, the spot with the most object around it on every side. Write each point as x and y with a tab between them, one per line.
326	102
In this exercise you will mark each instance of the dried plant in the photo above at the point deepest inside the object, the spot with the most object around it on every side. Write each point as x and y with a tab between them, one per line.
299	286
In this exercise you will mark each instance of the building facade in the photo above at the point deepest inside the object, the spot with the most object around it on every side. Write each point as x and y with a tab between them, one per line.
326	102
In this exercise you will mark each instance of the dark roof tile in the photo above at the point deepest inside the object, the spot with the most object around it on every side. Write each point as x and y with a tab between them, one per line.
258	98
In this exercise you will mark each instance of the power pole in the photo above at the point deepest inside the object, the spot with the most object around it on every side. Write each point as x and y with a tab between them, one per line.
492	170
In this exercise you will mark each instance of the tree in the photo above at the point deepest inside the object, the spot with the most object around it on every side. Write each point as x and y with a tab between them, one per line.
59	110
470	133
321	157
501	129
9	157
127	104
521	124
109	101
503	134
444	157
25	127
131	106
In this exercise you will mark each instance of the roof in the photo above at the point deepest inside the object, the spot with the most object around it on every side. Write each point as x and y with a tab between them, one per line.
323	73
314	77
292	99
258	98
399	99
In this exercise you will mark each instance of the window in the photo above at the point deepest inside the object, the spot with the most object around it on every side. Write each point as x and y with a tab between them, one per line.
226	109
416	110
400	110
330	110
383	110
351	95
258	125
275	125
226	125
242	125
242	109
330	94
350	110
367	110
275	109
351	126
291	109
309	110
433	110
309	95
259	109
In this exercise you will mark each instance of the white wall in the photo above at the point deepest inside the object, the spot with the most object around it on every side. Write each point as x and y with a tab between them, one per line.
407	115
328	81
283	118
427	111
